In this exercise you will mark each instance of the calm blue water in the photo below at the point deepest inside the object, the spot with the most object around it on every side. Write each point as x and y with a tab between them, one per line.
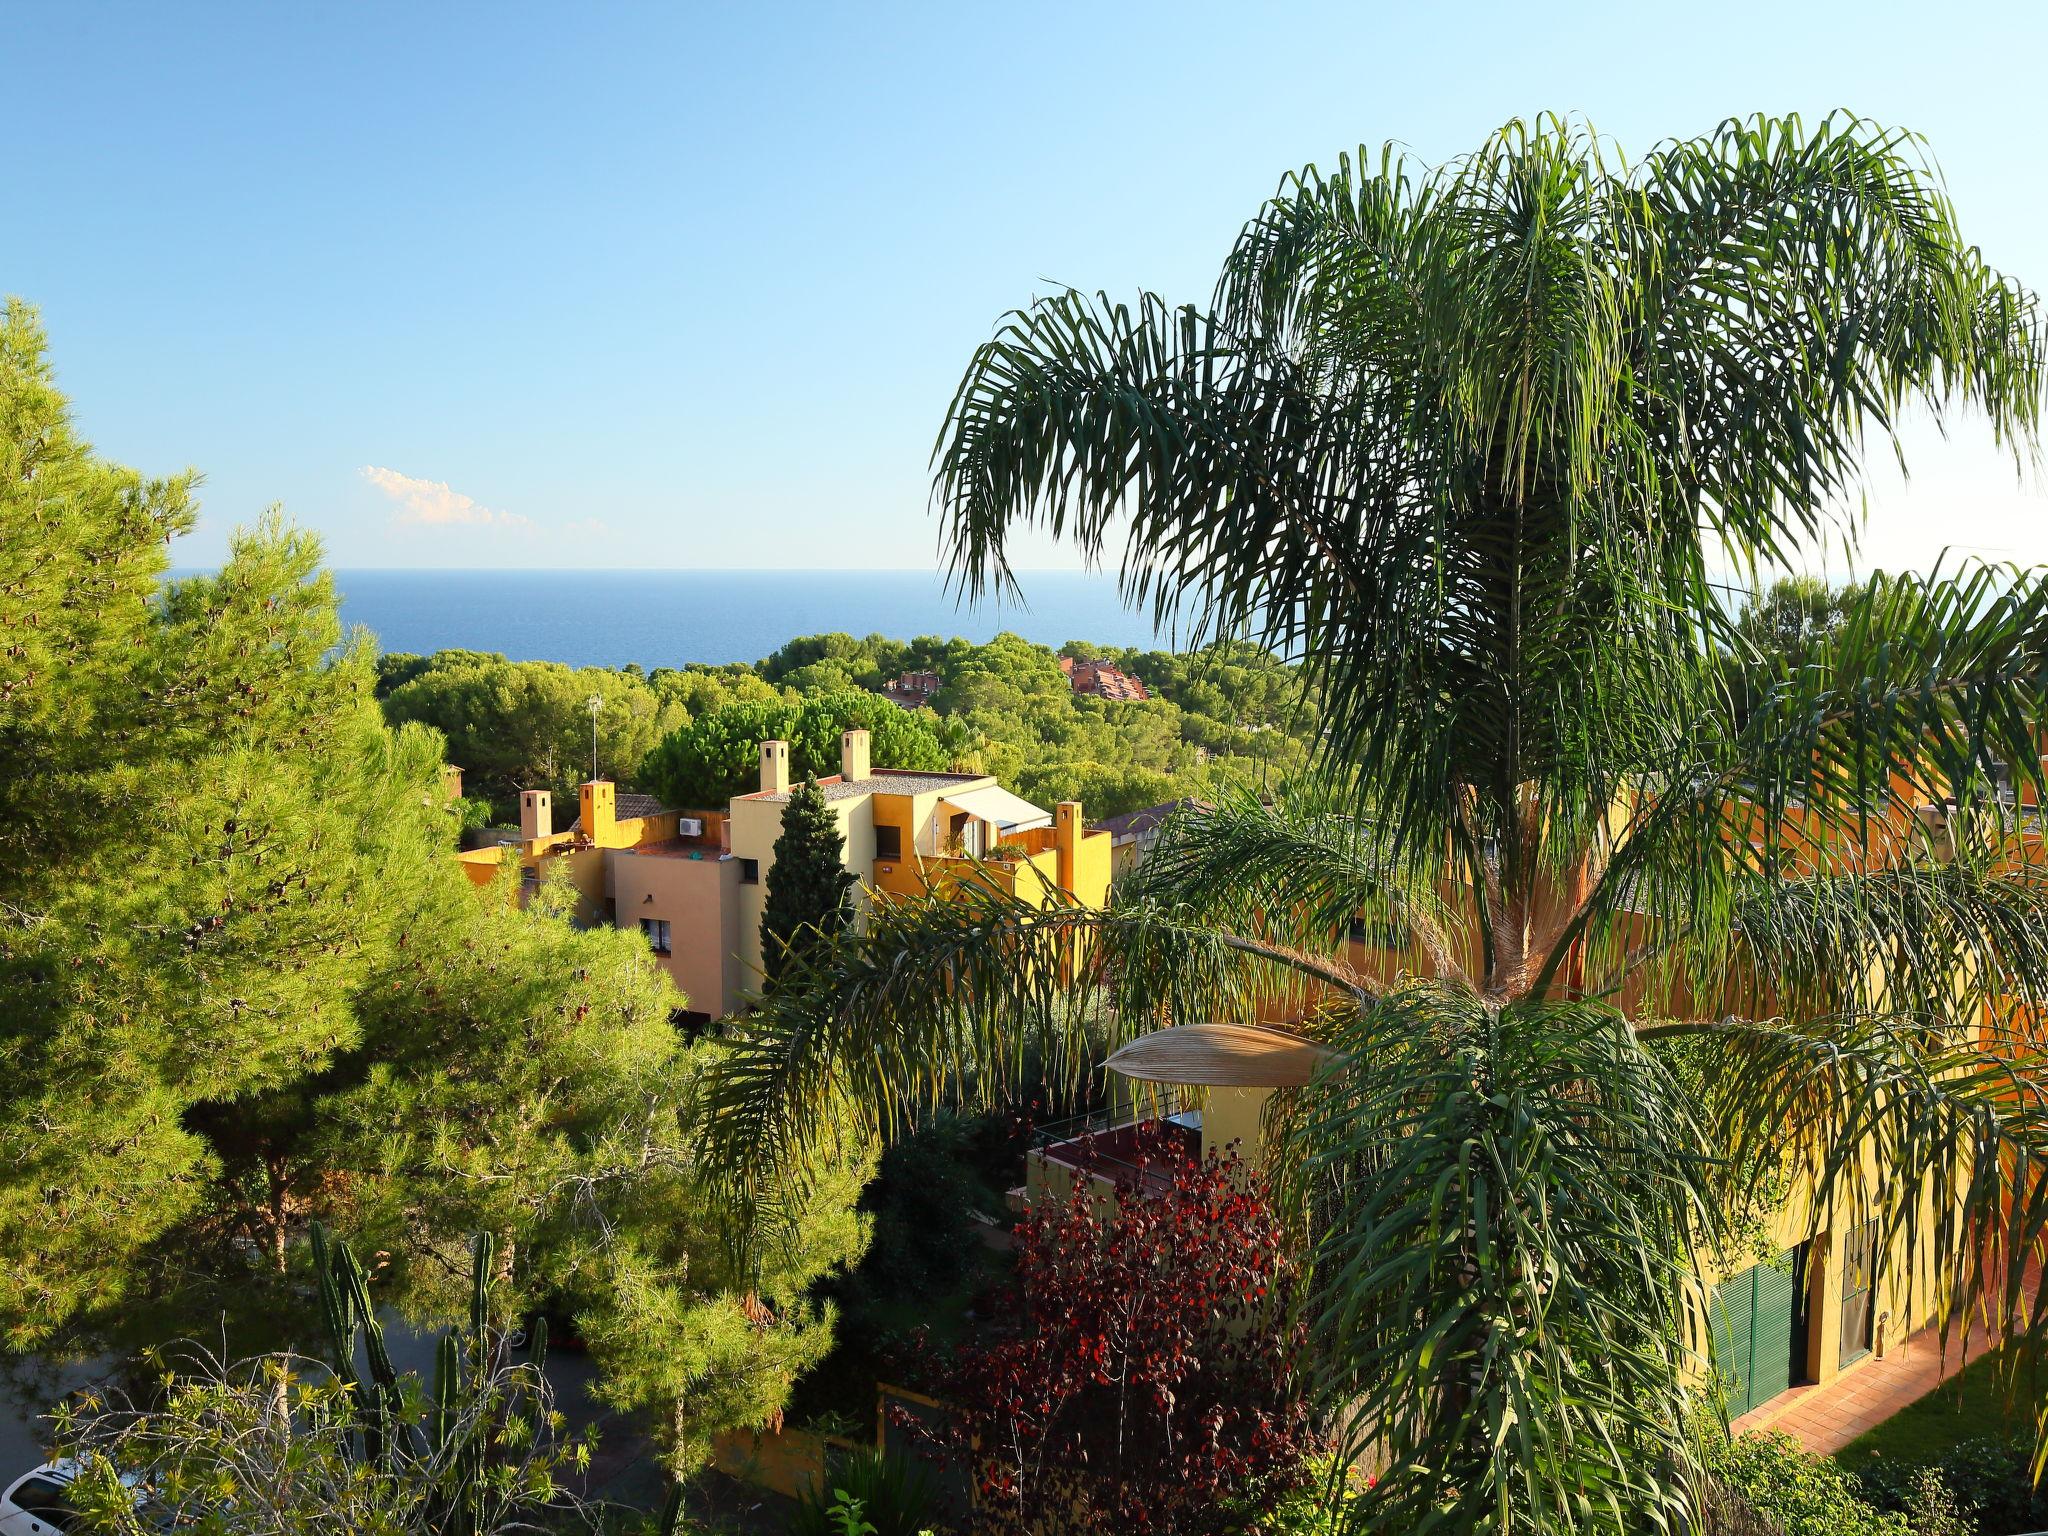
666	618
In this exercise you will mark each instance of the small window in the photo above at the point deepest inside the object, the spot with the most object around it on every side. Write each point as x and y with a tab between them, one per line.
656	930
44	1499
1378	933
750	871
888	842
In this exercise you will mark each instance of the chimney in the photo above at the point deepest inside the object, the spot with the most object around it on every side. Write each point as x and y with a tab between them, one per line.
774	767
601	813
1066	837
451	782
853	756
536	815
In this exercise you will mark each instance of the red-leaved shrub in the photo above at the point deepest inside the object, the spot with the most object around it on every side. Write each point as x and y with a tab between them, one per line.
1147	1374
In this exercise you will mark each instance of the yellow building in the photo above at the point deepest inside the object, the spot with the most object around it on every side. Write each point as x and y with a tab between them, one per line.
635	863
1826	1299
909	832
694	882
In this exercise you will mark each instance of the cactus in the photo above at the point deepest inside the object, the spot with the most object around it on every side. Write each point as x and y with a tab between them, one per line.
456	1437
480	1287
671	1522
447	1390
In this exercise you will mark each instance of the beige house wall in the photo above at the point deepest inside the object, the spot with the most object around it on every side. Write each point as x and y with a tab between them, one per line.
699	899
755	825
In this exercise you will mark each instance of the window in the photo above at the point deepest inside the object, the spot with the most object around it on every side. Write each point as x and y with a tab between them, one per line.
45	1500
888	842
1859	1281
656	930
1379	933
750	871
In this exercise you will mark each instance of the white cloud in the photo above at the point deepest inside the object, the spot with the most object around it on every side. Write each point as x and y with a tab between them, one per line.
589	528
437	503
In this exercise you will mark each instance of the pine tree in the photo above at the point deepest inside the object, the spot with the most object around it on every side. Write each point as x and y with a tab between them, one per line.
206	836
808	885
243	988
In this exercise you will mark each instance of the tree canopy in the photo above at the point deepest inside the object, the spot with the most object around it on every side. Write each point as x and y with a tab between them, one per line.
1472	441
1220	714
244	987
718	755
516	725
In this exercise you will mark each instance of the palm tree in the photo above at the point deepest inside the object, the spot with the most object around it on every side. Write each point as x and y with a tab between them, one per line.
1472	442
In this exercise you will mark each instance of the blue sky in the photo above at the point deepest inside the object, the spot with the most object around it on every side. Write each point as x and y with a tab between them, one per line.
615	285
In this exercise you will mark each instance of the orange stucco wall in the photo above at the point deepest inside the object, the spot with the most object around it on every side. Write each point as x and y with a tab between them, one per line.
696	892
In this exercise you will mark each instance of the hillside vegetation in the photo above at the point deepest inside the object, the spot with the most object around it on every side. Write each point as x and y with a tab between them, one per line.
1226	712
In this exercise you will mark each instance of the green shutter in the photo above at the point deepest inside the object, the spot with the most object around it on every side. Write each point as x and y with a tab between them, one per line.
1734	1308
1770	1369
1753	1317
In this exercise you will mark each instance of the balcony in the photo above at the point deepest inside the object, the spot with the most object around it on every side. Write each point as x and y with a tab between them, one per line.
1135	1147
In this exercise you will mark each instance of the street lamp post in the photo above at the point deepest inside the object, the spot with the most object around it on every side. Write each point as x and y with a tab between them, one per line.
596	703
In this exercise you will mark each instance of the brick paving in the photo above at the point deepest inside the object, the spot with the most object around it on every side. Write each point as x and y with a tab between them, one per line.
1826	1417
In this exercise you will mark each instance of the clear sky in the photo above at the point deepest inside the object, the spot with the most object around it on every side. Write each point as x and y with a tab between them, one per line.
690	286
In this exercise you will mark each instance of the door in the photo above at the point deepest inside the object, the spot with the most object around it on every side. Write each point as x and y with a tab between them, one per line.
1859	1284
1759	1330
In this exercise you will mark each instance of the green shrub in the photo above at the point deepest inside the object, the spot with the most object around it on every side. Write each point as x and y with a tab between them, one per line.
892	1495
1804	1495
1988	1482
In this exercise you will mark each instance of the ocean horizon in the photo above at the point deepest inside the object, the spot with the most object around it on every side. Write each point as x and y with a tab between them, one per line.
672	618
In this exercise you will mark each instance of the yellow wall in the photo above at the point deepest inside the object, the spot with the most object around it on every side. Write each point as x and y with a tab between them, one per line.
755	825
1232	1115
698	897
481	864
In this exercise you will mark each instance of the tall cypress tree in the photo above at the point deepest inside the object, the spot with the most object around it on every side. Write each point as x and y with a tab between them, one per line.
809	885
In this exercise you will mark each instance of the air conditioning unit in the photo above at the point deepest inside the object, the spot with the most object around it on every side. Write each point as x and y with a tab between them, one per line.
689	826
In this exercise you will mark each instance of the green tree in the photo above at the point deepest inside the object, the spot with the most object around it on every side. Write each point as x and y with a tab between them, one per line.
1794	616
244	987
1471	442
520	1077
516	725
206	834
810	889
1103	789
717	755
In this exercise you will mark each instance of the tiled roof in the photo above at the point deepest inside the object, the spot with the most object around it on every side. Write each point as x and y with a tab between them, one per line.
629	807
1105	682
888	781
1133	822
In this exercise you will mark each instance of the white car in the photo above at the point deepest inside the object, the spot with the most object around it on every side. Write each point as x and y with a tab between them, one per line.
35	1504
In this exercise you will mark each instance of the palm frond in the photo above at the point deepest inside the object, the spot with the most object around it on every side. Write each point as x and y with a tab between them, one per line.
1801	287
1296	870
1938	1134
953	997
1507	1201
1887	747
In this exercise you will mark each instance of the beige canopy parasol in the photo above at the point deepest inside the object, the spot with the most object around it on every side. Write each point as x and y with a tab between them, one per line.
1220	1056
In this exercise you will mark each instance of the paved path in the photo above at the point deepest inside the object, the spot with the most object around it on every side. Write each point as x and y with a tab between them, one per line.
1826	1417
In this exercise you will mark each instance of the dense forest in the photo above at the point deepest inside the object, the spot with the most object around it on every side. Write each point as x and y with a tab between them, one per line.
1227	712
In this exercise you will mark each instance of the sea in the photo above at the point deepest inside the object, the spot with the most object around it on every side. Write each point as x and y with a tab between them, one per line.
669	618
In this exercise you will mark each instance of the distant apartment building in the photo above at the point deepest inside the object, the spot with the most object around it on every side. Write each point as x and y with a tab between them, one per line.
912	690
638	864
694	883
1100	680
